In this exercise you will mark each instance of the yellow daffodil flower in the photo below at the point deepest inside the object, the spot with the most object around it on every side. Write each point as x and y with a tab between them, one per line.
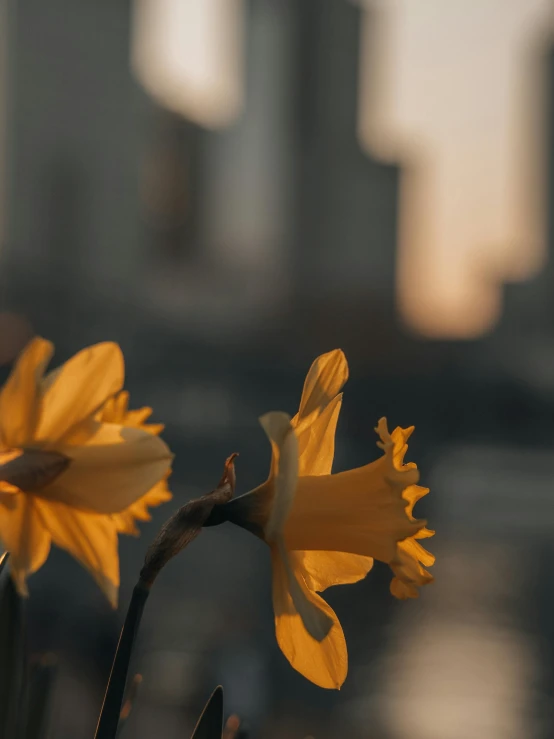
63	472
326	529
116	411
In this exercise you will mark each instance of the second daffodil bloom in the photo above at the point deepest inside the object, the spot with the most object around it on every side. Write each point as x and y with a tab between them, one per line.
66	472
325	529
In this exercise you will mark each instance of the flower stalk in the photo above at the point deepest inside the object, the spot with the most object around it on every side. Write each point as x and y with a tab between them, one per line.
113	699
177	533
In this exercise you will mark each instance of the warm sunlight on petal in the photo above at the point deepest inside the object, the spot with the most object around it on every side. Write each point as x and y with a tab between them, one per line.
125	521
284	469
92	433
324	380
138	417
316	443
22	533
412	494
19	398
360	511
78	388
324	569
109	478
90	538
409	574
116	410
315	620
399	438
323	662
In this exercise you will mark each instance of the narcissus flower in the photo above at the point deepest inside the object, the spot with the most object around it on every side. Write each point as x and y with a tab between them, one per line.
65	472
326	529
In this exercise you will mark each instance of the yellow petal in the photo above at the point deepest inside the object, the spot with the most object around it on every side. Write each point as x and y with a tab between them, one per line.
324	662
91	432
316	442
324	569
78	389
399	438
403	590
115	410
23	535
315	620
361	511
409	574
125	521
108	478
284	469
121	403
138	417
89	537
412	494
324	380
20	396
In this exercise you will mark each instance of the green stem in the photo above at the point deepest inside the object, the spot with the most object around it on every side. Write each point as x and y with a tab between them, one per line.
113	700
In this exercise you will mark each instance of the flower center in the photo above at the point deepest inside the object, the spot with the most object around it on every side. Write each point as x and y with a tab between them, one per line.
29	470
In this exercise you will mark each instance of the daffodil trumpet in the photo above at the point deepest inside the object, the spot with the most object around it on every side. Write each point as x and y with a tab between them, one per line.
327	529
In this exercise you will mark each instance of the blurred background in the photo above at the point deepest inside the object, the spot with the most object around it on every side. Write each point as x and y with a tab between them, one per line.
228	188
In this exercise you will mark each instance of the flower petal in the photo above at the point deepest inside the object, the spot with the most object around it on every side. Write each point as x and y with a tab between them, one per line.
125	521
399	438
89	537
138	417
284	469
315	621
324	380
108	478
324	569
316	441
20	397
361	511
78	389
325	661
412	494
403	590
121	404
409	574
115	410
23	535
